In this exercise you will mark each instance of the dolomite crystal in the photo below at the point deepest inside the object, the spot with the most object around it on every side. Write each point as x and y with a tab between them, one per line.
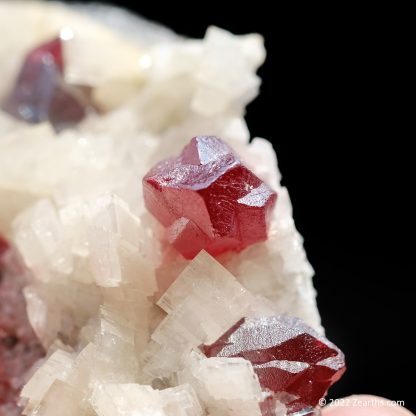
121	314
40	93
208	199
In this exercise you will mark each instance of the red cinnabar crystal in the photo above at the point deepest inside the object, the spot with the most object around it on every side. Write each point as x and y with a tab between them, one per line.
290	358
4	246
207	199
41	94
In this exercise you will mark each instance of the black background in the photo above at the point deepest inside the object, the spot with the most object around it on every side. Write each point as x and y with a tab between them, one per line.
333	102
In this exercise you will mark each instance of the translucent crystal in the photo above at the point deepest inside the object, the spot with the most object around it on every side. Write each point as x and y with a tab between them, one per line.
41	240
201	304
218	90
224	385
123	399
117	243
56	367
62	399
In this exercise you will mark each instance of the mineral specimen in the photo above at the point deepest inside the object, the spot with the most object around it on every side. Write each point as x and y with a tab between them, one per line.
208	199
289	357
41	94
120	313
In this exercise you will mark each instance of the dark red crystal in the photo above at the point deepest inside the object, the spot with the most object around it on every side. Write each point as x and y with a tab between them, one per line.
291	359
207	199
4	246
19	347
41	94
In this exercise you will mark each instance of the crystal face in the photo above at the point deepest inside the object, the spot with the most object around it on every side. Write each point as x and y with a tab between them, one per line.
207	199
40	92
290	358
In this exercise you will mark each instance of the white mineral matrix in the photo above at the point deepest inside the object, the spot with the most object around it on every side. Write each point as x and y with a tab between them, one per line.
119	314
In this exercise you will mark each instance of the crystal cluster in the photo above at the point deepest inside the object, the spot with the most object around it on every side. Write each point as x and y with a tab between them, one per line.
208	199
133	312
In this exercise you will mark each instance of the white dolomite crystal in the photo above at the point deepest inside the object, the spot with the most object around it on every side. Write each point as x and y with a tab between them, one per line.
134	399
225	386
56	367
202	304
71	202
40	239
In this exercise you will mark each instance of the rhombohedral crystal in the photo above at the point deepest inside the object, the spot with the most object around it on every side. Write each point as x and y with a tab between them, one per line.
208	199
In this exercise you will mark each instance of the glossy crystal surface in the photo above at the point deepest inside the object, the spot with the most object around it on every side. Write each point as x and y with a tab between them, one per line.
290	358
208	199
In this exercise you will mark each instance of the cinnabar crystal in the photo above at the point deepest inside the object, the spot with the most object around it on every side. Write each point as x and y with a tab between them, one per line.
41	94
291	359
207	199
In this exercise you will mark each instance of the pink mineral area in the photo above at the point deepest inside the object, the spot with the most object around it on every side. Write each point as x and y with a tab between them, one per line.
290	359
207	199
41	94
19	347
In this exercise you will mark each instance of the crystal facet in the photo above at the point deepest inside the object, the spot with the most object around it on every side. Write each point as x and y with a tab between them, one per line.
207	199
291	359
41	94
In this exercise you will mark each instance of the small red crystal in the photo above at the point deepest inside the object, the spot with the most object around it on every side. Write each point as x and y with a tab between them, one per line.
207	199
4	246
41	94
290	358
